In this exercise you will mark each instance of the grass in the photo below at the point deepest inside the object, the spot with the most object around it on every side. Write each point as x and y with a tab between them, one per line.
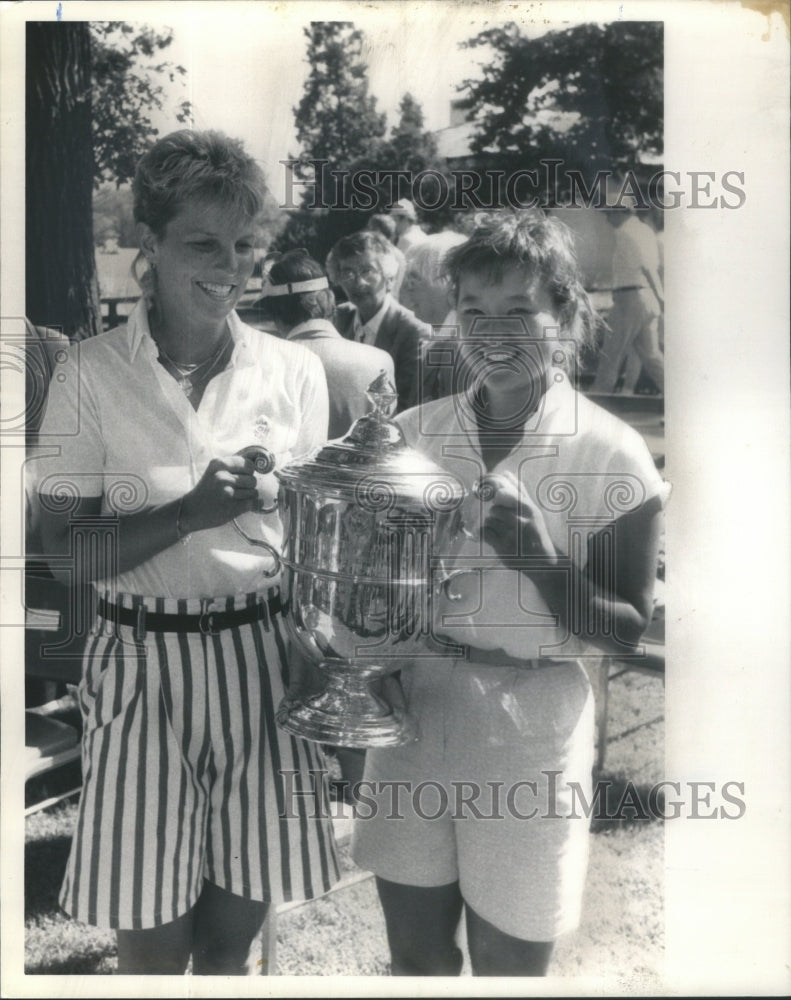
620	937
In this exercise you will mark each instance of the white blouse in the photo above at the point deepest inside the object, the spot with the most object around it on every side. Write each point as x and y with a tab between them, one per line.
581	465
123	430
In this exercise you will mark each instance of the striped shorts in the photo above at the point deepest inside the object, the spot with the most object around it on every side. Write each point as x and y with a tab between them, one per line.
187	777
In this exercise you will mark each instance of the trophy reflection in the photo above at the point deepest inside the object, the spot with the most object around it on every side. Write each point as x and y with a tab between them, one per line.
362	516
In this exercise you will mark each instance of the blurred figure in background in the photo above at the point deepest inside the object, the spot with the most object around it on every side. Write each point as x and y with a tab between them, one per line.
386	226
298	299
408	231
426	290
657	217
364	266
631	341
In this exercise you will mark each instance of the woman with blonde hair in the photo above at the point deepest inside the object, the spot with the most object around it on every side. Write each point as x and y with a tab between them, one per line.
189	824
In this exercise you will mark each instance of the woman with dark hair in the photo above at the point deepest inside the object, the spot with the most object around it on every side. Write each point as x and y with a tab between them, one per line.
557	560
194	814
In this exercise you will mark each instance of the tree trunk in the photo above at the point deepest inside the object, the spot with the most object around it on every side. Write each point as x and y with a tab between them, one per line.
61	288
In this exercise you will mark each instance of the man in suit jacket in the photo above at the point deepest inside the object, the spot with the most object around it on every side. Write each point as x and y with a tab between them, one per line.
365	267
297	298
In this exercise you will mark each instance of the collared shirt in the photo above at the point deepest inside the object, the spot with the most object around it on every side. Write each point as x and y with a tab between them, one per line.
581	465
366	333
323	327
411	238
636	249
127	433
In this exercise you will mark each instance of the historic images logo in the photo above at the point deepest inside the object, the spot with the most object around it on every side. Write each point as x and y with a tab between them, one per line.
544	798
546	186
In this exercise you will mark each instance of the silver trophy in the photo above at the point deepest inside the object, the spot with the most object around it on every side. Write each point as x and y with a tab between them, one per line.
362	518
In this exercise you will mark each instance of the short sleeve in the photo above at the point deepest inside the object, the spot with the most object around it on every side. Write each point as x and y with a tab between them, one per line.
72	447
315	405
632	465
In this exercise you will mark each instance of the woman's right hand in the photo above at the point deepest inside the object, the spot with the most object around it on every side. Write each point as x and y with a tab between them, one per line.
226	489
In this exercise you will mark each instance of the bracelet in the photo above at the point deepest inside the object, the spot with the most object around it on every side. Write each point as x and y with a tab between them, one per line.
182	536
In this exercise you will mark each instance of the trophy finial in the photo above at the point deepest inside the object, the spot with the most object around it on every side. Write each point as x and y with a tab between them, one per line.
383	395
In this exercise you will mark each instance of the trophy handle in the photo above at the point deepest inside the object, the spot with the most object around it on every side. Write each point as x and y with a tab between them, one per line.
262	458
262	545
264	462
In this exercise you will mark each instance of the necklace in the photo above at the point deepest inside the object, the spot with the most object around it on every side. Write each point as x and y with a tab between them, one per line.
187	373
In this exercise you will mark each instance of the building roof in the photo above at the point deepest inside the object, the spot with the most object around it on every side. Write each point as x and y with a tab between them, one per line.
455	140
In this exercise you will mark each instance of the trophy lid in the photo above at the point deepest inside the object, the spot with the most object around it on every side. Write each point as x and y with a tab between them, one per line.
374	466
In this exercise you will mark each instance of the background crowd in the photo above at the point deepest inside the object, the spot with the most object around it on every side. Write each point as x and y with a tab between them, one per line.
387	289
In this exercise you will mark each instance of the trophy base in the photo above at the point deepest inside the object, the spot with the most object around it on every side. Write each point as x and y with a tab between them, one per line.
347	714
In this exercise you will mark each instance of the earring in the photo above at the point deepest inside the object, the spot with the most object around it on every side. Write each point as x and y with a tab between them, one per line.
148	281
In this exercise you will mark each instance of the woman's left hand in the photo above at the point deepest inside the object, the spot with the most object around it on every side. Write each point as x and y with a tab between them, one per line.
515	524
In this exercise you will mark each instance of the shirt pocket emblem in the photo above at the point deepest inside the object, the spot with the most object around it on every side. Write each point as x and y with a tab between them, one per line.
261	429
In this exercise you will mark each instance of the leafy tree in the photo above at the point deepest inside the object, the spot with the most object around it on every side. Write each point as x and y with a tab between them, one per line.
590	95
337	121
88	99
126	89
113	216
337	118
410	146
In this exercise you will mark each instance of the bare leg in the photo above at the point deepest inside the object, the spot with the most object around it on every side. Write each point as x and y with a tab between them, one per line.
160	951
421	928
494	953
226	927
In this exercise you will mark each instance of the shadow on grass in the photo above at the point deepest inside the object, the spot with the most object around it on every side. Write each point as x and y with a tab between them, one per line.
91	964
45	865
54	944
636	729
618	802
62	779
